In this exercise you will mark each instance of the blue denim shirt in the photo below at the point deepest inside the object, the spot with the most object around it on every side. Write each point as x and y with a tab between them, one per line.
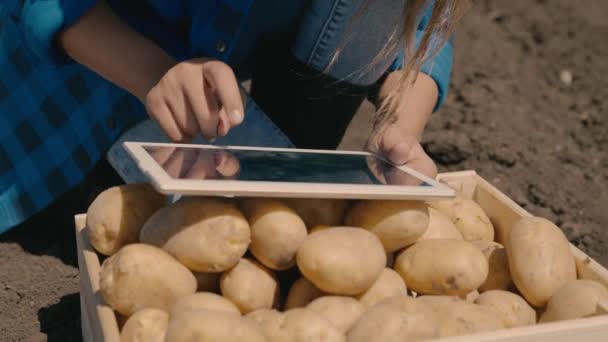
57	118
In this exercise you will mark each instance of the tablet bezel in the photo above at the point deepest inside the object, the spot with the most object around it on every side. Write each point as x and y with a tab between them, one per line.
231	188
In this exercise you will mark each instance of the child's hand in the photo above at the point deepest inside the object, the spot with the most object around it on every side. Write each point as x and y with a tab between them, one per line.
402	149
199	95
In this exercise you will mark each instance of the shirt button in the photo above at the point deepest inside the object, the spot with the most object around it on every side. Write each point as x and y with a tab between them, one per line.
221	46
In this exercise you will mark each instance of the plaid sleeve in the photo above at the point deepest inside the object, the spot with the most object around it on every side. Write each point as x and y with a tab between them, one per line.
42	19
439	68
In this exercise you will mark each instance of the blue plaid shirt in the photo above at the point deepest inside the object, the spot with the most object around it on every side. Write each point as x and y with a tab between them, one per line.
57	118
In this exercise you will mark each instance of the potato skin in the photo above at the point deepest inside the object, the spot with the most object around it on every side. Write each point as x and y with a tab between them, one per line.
395	319
576	299
276	232
457	317
499	275
297	325
250	286
389	284
142	276
341	311
116	216
341	260
540	259
301	293
397	224
264	316
315	212
442	267
204	301
440	227
439	300
145	325
212	326
511	308
468	217
205	234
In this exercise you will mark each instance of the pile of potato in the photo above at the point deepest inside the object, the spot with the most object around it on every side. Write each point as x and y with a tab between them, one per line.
211	269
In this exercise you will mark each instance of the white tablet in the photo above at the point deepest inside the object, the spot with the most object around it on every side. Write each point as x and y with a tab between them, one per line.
229	171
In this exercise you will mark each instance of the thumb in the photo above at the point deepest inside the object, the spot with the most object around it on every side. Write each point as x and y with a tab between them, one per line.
396	146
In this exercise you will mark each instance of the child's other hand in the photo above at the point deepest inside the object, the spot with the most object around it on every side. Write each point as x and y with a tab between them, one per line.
199	95
402	149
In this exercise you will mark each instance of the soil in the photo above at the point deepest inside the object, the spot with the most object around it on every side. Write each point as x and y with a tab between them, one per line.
527	110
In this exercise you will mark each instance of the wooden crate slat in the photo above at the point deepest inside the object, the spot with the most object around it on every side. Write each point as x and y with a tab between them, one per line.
101	318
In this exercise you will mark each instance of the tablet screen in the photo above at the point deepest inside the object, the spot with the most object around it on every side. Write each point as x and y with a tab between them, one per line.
278	166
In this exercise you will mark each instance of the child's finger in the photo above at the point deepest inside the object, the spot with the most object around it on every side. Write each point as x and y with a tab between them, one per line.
224	125
399	154
181	110
225	85
396	146
161	113
203	107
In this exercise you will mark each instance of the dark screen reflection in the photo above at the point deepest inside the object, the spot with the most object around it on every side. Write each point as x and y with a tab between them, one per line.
308	167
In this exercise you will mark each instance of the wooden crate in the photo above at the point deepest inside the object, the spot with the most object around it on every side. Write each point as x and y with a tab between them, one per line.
99	321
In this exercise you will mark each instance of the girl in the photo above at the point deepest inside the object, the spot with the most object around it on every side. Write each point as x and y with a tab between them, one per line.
75	74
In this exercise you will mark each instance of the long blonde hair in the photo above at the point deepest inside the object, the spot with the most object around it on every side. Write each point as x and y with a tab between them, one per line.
441	24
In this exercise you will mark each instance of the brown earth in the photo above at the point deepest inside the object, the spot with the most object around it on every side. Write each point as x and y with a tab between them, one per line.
512	115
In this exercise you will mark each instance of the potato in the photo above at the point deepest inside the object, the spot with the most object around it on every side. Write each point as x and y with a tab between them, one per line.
298	325
340	311
395	319
510	307
389	284
204	301
250	286
397	224
141	276
467	216
264	316
116	216
442	267
276	232
212	326
301	293
206	235
456	317
576	299
540	259
341	260
319	211
440	227
437	302
471	296
148	325
207	282
499	276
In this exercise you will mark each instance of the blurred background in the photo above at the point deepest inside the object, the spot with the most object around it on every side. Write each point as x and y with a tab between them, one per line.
528	110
